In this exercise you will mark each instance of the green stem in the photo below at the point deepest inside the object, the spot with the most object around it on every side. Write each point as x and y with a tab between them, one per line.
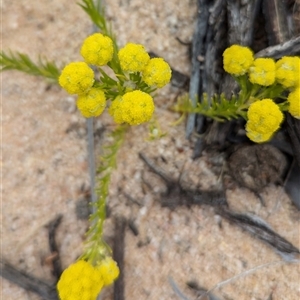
96	248
242	81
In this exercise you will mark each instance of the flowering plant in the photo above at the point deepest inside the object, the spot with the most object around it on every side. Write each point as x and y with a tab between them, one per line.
267	89
136	76
128	79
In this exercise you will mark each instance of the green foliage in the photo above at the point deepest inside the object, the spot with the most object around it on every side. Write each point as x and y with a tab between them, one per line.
217	108
22	62
96	14
136	78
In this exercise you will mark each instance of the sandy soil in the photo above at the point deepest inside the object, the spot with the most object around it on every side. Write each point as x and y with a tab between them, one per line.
45	168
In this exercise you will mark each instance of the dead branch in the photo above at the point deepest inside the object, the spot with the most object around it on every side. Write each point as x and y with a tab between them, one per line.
52	226
259	229
28	282
118	252
290	47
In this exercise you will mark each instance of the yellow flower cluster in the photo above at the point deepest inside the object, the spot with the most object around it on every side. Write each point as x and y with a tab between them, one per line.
288	71
97	49
264	119
265	79
76	78
82	281
133	108
294	103
157	73
92	103
133	105
237	60
109	270
133	57
262	71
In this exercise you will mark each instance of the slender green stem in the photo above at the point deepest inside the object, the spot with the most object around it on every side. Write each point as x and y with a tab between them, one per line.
96	248
90	130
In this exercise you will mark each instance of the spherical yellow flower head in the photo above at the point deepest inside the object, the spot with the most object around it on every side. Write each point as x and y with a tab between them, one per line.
288	71
109	270
157	73
76	78
133	58
294	101
262	71
80	281
92	103
133	108
264	118
97	49
237	60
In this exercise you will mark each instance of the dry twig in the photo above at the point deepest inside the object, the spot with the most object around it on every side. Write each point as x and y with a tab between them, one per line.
28	282
243	274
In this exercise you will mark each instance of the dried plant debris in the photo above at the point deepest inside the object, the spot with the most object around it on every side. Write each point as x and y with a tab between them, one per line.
28	282
55	258
269	170
176	289
256	166
31	283
176	194
118	252
292	184
261	230
240	275
201	292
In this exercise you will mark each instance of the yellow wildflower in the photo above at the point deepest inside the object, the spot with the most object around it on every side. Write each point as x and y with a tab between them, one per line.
97	49
109	270
76	78
133	108
237	60
80	281
157	72
294	101
262	71
264	118
92	103
288	71
133	57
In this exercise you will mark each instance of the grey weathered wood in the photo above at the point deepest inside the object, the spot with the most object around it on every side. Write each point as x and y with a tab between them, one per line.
240	22
261	230
293	129
275	12
197	50
290	47
241	17
279	31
